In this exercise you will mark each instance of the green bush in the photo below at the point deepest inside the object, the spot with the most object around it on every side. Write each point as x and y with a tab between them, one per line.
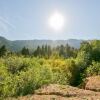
15	64
23	75
93	69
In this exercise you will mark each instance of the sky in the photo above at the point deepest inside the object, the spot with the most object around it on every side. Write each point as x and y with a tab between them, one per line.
28	19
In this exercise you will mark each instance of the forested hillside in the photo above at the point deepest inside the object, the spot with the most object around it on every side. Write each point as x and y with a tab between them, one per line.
32	44
23	72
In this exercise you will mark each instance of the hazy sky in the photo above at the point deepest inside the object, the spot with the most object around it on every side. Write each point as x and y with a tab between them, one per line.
28	19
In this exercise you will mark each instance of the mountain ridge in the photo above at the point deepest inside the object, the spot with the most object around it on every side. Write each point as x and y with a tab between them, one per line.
17	45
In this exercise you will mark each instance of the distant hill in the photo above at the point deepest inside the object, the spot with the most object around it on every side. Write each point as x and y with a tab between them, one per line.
32	44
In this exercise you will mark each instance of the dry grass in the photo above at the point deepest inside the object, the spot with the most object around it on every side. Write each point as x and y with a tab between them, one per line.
61	92
93	83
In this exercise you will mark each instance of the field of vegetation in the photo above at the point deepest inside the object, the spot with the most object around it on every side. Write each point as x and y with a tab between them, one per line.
23	72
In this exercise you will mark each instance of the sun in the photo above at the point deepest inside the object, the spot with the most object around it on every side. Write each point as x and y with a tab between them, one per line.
56	21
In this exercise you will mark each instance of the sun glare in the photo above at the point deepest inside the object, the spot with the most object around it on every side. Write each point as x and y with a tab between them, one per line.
56	21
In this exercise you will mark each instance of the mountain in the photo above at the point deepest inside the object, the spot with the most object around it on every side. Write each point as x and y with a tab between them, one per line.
32	44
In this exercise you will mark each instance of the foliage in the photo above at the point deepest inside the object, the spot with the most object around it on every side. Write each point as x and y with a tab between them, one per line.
25	51
21	74
63	51
93	69
3	51
95	44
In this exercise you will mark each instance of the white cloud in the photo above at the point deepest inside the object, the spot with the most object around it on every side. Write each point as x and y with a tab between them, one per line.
5	25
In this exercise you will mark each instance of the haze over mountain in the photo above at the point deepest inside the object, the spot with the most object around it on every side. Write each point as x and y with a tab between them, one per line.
32	44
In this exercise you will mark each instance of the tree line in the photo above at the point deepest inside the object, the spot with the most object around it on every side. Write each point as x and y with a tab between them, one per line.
91	49
45	51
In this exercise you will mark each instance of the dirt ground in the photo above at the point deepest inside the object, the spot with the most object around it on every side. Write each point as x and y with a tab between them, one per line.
60	92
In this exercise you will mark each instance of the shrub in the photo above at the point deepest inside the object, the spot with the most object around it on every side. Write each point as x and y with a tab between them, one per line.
93	69
22	75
